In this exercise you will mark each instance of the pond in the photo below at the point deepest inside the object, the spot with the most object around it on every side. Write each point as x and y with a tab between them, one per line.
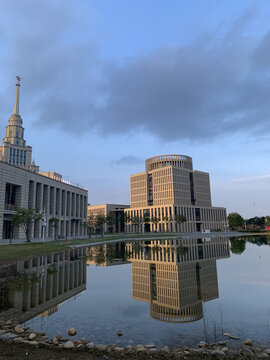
167	292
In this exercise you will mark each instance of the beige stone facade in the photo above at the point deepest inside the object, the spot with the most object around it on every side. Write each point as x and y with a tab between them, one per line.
170	187
23	186
176	283
117	212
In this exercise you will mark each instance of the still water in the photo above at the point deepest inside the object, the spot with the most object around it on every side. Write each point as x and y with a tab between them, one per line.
168	292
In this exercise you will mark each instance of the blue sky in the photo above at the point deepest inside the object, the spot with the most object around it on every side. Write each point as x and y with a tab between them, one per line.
105	81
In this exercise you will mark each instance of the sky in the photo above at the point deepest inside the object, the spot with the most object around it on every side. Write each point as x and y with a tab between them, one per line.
107	84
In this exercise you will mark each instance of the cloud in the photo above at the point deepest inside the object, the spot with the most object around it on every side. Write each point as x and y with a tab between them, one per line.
251	179
128	159
212	87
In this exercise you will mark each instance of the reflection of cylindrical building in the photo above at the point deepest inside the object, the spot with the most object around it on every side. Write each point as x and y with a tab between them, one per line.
176	276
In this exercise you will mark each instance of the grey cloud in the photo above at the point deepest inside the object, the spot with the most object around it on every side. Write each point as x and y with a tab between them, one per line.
128	159
212	87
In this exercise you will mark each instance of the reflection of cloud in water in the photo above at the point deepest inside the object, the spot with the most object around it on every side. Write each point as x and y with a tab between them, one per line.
131	311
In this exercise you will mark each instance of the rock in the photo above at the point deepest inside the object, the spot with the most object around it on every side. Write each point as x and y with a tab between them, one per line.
9	322
119	333
69	345
128	347
202	344
18	339
101	347
72	332
152	349
34	343
63	339
118	348
225	349
79	346
77	342
149	346
217	352
267	351
7	336
165	348
232	336
25	328
32	336
55	341
140	347
248	342
90	345
262	355
19	329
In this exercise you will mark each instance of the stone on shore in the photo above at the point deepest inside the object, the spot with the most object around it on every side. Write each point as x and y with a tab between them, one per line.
19	329
248	342
217	352
140	347
69	345
150	346
72	332
101	347
90	345
32	336
118	348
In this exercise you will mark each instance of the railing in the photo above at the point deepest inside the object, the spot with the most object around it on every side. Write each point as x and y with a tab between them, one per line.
60	179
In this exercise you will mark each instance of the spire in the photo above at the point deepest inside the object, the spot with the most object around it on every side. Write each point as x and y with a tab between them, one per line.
16	106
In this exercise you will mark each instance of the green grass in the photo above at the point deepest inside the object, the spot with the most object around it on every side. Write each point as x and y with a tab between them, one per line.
18	251
15	252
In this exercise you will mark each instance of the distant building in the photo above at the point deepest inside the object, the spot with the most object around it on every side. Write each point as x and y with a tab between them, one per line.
23	185
117	212
170	187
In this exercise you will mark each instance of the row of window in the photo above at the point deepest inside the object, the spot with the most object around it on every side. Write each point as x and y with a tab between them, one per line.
17	157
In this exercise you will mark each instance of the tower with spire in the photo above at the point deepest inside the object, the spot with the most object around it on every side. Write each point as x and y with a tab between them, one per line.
14	149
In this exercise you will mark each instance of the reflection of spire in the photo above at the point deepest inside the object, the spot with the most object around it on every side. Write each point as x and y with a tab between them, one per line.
16	106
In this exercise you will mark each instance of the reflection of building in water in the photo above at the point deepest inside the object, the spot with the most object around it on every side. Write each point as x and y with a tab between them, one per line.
38	285
107	254
176	276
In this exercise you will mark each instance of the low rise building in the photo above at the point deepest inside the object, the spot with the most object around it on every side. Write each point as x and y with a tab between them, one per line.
117	216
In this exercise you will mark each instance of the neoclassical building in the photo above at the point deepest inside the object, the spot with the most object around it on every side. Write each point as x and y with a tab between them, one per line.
169	187
22	185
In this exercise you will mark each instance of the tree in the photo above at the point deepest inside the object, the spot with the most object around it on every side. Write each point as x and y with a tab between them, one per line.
110	220
100	220
155	220
180	219
235	220
90	224
238	246
25	218
54	223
